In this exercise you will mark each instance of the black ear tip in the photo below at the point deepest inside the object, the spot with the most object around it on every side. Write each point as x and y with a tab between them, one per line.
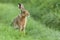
19	3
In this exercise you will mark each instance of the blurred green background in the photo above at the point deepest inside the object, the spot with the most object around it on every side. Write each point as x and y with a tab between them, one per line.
43	23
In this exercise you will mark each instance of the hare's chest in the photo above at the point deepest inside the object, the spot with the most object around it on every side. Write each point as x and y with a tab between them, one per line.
23	21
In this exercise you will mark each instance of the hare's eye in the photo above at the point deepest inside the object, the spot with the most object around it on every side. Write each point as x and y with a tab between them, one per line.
24	12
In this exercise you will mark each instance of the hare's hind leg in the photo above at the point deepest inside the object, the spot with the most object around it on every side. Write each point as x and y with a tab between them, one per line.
15	25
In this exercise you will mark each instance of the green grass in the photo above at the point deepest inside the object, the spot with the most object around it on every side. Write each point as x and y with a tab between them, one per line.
34	29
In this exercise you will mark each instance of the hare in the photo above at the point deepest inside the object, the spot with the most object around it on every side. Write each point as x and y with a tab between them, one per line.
21	19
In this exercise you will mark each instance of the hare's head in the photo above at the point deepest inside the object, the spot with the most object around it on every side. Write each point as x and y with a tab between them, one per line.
21	6
25	13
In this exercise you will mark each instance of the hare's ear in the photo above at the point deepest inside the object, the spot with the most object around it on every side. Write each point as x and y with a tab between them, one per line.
19	5
22	6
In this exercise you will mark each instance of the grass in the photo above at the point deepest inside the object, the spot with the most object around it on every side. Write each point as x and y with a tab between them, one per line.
34	29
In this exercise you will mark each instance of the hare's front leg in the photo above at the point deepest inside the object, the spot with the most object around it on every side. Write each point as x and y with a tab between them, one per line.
22	30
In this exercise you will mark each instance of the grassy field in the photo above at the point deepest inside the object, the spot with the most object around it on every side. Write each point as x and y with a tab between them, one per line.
34	30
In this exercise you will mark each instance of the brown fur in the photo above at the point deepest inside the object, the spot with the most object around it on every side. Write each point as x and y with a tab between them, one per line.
21	19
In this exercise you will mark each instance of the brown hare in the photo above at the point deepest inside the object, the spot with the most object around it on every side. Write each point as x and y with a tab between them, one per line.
21	20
